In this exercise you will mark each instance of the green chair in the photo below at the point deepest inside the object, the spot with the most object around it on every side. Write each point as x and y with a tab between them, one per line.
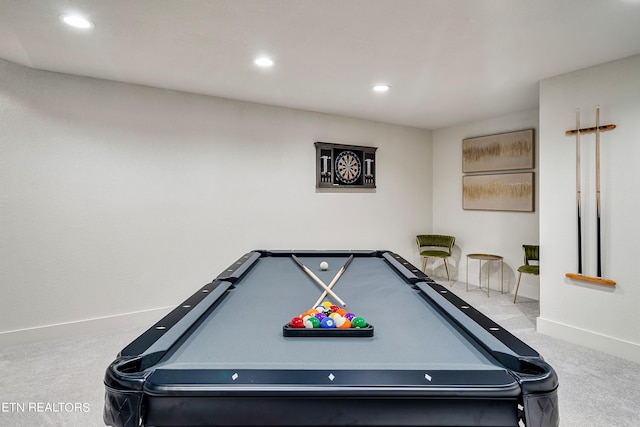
531	264
437	246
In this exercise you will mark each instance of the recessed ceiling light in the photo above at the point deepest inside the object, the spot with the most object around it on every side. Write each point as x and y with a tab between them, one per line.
76	21
263	61
381	88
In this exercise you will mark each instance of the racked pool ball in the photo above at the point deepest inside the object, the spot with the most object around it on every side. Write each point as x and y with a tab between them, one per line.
327	322
342	322
297	322
358	322
311	323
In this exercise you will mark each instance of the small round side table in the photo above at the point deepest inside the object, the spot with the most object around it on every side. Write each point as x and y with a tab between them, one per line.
487	258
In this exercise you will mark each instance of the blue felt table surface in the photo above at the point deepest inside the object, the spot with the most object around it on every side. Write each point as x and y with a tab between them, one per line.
245	330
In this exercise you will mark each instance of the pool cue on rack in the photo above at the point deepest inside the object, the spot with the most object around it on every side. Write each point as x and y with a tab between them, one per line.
598	231
333	282
318	281
578	192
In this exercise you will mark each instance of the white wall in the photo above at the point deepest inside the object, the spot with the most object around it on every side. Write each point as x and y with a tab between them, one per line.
501	233
602	317
119	198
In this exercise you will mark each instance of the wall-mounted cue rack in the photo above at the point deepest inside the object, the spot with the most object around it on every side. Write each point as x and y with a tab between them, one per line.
597	129
345	166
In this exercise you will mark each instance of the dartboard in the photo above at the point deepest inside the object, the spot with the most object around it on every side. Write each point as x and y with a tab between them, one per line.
348	167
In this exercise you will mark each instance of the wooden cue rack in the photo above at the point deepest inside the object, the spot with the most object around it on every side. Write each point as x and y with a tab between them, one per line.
591	279
590	130
596	129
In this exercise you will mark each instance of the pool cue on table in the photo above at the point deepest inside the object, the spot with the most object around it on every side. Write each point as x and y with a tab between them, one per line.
335	279
317	280
578	192
598	231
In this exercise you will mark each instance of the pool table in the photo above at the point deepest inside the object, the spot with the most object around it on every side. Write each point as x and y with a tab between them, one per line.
222	357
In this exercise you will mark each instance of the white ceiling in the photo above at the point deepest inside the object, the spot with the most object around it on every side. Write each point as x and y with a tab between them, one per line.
448	61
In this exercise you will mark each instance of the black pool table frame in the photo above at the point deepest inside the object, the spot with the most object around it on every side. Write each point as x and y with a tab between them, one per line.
524	393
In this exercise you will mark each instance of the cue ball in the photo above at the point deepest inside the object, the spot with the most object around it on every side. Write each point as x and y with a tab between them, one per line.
324	265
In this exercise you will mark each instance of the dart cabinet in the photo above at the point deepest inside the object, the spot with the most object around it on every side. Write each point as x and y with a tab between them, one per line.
345	166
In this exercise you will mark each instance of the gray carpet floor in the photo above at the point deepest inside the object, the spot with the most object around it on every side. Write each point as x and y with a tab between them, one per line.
59	382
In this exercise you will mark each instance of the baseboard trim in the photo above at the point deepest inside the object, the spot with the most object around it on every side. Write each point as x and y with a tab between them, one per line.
82	327
606	344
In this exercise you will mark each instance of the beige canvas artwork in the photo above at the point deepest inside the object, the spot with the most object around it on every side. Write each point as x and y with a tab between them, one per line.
505	151
498	192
